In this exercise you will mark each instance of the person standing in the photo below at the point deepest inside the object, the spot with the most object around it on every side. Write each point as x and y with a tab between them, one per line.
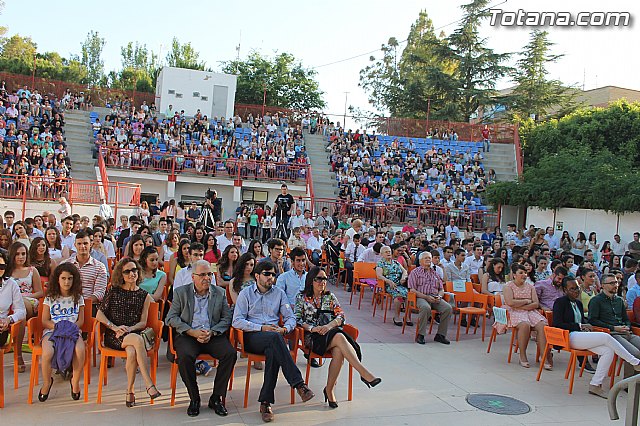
257	313
283	208
105	210
201	318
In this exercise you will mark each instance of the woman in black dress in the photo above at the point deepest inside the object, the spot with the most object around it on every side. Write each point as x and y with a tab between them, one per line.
318	312
124	313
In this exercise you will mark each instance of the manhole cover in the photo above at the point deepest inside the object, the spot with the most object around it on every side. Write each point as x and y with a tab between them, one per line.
497	404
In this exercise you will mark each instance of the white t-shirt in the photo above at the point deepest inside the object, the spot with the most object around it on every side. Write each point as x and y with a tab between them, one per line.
63	308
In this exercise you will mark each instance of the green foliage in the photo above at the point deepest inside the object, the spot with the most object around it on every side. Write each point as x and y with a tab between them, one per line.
534	95
17	48
287	82
91	58
456	73
588	159
184	56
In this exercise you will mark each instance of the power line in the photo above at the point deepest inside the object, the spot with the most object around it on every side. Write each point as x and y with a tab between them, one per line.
400	42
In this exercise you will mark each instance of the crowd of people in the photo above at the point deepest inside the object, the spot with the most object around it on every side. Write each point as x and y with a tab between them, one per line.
34	153
264	146
374	168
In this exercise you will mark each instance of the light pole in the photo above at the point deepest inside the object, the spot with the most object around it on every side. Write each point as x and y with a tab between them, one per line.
33	76
264	98
344	119
428	111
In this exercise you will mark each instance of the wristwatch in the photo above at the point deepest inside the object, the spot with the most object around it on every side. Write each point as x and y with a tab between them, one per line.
11	321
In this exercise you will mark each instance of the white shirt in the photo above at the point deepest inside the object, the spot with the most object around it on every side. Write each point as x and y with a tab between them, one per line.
105	211
69	241
619	248
108	246
183	277
473	264
314	244
223	242
296	221
352	252
369	256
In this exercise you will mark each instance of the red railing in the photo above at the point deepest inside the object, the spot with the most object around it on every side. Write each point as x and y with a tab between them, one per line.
400	214
198	165
42	188
104	177
99	95
519	156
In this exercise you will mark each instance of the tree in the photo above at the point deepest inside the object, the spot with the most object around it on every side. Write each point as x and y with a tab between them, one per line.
407	83
587	159
536	96
17	48
91	58
287	82
477	67
3	29
184	56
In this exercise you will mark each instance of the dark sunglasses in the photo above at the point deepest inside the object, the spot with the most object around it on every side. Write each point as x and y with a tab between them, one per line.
268	274
129	271
3	266
321	279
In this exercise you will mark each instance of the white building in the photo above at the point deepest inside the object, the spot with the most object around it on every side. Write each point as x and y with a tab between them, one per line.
192	90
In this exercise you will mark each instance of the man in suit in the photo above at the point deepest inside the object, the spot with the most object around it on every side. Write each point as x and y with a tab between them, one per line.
161	233
120	244
200	318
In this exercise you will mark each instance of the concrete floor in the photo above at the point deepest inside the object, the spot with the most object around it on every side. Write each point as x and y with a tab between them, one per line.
422	385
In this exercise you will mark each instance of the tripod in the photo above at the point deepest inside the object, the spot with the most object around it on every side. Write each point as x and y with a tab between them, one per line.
207	219
281	230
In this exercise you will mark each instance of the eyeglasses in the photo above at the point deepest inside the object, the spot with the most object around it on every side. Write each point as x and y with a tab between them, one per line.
321	279
129	271
268	274
204	274
611	283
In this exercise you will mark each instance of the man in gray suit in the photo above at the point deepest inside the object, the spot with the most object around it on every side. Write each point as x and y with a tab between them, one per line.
200	318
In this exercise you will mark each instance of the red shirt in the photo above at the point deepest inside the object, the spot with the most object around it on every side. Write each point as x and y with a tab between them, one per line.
260	213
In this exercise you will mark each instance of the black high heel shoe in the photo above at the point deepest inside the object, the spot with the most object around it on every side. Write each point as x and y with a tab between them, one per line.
130	400
43	397
154	395
332	404
74	395
372	384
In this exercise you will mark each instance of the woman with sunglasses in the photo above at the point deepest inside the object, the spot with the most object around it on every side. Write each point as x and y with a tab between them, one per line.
568	314
124	312
318	312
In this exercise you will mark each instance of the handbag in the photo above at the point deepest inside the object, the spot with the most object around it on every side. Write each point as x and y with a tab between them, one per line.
149	338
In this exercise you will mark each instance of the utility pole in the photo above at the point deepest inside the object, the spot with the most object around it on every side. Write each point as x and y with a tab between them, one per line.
428	111
344	119
264	99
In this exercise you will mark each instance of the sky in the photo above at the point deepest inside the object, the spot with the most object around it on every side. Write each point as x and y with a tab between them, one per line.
320	34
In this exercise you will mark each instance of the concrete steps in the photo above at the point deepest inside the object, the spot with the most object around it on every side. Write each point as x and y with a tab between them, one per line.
502	159
324	180
78	134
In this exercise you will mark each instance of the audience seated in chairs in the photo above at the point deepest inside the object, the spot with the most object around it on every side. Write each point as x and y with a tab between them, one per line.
123	312
62	318
202	326
319	314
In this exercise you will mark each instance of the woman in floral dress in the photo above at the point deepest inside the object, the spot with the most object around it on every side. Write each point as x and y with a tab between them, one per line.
395	278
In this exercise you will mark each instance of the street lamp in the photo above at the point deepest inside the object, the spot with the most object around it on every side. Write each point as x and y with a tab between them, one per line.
344	119
264	98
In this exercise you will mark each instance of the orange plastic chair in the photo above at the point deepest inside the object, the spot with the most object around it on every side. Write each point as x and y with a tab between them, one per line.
380	295
35	344
10	344
361	271
174	367
351	331
475	279
106	353
560	338
252	358
45	283
472	310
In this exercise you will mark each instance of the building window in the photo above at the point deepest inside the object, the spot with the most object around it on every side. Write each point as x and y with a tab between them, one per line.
171	92
253	196
196	94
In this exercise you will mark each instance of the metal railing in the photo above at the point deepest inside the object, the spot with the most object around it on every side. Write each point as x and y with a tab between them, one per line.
45	188
401	214
198	165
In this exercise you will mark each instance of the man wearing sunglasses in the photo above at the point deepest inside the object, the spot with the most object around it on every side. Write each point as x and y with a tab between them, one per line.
257	313
200	319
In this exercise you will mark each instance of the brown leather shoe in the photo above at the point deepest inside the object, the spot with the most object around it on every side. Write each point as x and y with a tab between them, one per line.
266	412
305	393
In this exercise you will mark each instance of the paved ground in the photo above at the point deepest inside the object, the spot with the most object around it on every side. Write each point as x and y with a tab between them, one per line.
422	385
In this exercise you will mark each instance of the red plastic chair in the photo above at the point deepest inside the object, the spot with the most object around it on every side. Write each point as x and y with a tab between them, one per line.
10	344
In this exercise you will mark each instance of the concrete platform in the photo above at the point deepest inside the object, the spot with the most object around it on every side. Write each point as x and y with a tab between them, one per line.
422	385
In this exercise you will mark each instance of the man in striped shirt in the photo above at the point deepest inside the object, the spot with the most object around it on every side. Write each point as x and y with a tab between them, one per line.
92	272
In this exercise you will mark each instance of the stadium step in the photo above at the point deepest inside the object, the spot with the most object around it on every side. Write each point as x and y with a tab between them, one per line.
324	180
78	134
